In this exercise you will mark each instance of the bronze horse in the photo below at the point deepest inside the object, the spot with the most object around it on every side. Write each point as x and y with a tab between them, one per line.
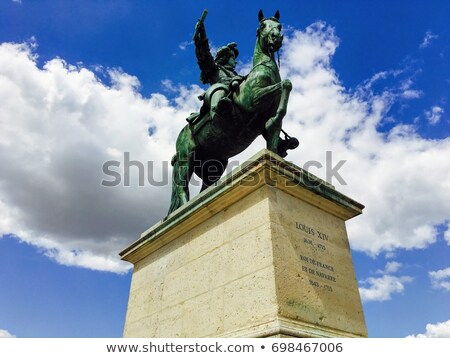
259	103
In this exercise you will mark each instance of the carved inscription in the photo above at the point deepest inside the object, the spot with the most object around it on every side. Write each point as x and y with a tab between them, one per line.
311	231
314	244
322	274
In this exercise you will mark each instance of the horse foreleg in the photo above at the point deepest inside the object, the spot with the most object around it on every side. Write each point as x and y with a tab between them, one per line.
273	125
261	100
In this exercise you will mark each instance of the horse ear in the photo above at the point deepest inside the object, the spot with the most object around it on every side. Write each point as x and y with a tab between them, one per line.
277	15
260	15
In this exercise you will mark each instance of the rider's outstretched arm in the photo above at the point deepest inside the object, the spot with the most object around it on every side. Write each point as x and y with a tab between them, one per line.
205	59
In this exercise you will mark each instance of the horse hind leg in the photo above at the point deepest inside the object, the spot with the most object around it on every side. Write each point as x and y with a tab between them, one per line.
182	171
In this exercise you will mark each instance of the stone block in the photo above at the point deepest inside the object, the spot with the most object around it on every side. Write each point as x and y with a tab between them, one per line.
262	257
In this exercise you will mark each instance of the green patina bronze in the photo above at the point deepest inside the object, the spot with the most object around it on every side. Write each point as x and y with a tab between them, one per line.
236	109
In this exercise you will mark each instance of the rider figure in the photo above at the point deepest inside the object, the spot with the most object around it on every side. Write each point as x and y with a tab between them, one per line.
218	70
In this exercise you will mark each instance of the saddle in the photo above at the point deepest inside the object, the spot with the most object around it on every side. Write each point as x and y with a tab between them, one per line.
197	120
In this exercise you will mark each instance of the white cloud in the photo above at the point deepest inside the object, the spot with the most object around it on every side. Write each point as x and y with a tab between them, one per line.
429	37
382	288
59	124
390	255
169	86
403	208
447	235
434	114
184	45
6	334
440	279
411	94
407	92
17	1
436	330
391	267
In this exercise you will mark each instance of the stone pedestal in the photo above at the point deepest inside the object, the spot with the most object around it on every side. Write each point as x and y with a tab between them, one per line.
264	253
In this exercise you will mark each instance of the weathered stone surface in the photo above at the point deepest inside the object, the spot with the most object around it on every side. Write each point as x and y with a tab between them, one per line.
261	254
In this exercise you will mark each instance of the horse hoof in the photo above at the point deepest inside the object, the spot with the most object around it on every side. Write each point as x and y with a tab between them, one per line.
292	143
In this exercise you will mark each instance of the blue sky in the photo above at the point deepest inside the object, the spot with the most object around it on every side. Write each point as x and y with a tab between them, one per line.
83	82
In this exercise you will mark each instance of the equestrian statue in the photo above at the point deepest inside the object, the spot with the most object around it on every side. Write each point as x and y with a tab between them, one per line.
236	109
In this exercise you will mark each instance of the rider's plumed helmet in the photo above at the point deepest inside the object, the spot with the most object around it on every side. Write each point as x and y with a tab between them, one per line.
224	53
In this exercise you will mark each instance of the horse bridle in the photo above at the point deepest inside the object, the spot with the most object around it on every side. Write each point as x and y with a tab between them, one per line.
268	35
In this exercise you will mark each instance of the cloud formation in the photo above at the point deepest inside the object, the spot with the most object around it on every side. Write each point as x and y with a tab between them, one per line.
382	288
6	334
60	123
428	39
391	267
434	114
440	279
388	171
435	330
